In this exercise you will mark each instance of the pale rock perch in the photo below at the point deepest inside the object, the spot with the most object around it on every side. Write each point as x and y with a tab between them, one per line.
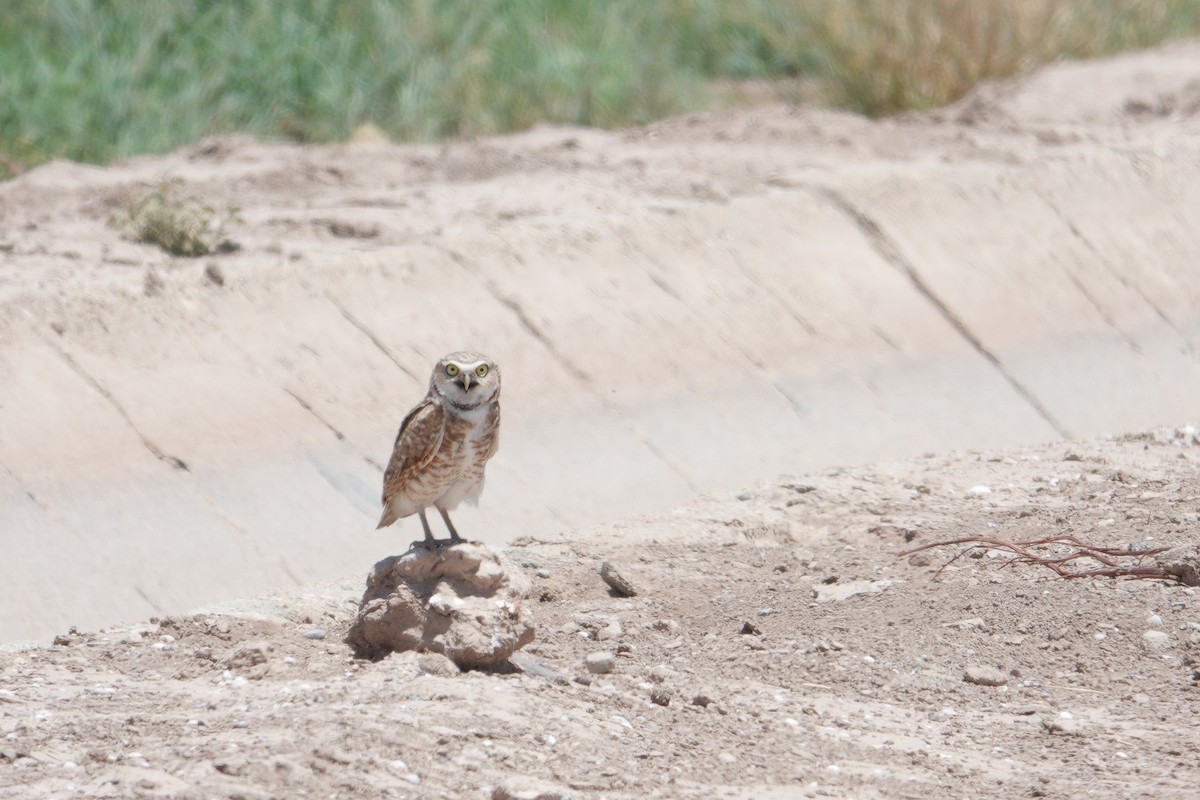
444	443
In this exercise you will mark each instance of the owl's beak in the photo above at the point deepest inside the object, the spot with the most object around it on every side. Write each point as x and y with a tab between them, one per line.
466	381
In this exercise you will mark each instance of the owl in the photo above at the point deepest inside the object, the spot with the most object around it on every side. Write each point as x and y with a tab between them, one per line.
444	444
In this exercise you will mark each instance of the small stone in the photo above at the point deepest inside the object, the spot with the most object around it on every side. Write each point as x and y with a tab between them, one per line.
1156	640
966	624
525	788
437	664
750	629
600	663
231	767
616	581
531	666
1062	725
660	695
247	655
979	491
214	274
315	633
612	630
985	676
1154	620
152	284
702	700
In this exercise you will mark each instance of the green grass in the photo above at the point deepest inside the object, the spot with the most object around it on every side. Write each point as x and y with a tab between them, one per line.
94	80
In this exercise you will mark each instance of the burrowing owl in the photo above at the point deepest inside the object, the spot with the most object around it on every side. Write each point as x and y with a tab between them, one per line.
445	443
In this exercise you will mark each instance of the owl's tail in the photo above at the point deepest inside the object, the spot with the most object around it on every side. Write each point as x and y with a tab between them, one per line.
389	516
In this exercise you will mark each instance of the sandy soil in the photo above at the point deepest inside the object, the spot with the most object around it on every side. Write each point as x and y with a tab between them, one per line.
777	647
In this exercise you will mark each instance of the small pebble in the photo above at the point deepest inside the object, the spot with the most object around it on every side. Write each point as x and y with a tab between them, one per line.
1156	639
315	633
600	663
1154	620
616	581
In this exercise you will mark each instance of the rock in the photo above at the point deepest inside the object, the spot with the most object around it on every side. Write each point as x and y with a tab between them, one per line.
523	788
600	663
701	699
315	633
247	655
531	666
966	624
1156	640
985	676
437	664
1181	563
612	630
462	601
616	581
660	695
1063	725
835	592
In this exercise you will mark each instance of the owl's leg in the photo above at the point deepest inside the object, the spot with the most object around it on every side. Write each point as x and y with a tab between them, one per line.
454	537
429	540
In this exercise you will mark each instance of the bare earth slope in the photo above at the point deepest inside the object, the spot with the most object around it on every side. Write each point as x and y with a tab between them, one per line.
703	303
777	647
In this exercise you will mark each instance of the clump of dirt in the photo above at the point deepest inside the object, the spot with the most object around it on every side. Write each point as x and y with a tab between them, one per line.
463	601
778	645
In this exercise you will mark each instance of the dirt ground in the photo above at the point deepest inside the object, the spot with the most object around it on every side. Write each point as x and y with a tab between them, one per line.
777	647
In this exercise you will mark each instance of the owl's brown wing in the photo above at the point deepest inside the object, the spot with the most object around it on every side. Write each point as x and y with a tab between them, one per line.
493	433
417	443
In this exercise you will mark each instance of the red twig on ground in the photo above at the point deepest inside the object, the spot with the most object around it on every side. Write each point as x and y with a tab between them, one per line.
1114	562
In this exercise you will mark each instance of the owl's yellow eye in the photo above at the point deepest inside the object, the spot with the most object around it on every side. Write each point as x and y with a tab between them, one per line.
481	370
452	370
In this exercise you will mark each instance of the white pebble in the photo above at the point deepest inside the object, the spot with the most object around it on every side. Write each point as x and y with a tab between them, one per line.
979	491
1100	637
413	778
1154	620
